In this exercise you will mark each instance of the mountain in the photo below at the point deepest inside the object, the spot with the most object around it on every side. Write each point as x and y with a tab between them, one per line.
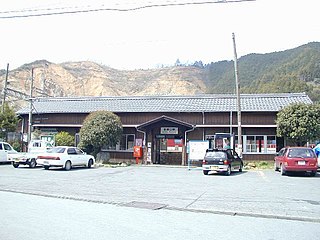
294	70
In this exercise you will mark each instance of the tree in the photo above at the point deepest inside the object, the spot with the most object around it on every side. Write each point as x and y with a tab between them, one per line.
101	128
64	139
36	134
299	122
198	64
8	120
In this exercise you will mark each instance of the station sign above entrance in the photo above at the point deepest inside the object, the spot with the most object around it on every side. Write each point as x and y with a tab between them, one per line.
169	130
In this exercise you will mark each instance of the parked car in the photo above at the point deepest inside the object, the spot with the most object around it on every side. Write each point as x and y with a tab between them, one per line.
296	159
5	150
65	157
221	160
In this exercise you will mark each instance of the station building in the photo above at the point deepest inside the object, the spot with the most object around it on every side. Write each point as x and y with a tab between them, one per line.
163	125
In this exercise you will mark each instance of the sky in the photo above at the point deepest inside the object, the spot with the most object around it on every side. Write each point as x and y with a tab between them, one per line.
155	36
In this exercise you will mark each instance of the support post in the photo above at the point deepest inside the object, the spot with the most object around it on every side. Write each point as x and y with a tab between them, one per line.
238	95
30	108
5	88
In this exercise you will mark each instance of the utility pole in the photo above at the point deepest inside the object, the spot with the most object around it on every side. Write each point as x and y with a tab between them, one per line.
238	95
30	108
5	88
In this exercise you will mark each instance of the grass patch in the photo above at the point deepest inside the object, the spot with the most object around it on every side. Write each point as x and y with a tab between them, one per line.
109	164
122	164
248	165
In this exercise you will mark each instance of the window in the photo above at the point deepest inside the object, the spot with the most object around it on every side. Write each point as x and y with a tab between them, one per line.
237	145
7	147
234	153
229	154
250	144
78	151
126	143
57	150
71	151
48	145
255	144
271	144
36	144
305	153
259	144
281	153
216	155
163	145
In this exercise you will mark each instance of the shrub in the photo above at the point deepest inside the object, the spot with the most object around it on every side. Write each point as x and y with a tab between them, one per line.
16	146
64	139
100	129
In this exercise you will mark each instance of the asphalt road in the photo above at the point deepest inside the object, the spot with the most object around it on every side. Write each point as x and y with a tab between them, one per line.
270	203
30	217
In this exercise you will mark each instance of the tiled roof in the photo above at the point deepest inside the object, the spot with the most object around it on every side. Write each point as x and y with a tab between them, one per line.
195	103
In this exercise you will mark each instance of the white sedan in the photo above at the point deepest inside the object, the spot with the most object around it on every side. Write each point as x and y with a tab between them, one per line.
65	157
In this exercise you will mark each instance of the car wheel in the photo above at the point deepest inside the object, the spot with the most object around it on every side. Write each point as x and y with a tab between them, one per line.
46	167
205	172
33	163
228	172
275	166
313	173
15	165
68	166
241	167
90	163
283	172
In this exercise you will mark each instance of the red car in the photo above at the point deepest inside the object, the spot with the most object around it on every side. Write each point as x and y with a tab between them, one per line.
296	159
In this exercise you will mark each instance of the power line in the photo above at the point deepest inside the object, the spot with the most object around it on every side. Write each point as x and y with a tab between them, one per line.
64	10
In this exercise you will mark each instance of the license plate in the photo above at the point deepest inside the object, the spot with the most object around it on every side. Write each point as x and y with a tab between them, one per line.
301	162
45	162
214	168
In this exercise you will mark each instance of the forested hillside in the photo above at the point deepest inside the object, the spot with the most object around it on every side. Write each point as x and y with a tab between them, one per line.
295	70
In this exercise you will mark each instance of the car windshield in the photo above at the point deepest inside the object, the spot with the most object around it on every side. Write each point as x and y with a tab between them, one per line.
216	154
57	150
301	152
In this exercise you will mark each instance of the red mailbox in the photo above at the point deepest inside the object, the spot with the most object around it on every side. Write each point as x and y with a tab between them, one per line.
137	153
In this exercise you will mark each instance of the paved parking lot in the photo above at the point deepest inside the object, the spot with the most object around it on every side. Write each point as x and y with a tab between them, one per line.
254	193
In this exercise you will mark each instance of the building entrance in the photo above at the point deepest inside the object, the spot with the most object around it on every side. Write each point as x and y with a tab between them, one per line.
164	138
168	150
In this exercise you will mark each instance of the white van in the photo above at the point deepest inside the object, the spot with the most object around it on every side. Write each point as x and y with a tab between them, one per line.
5	149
